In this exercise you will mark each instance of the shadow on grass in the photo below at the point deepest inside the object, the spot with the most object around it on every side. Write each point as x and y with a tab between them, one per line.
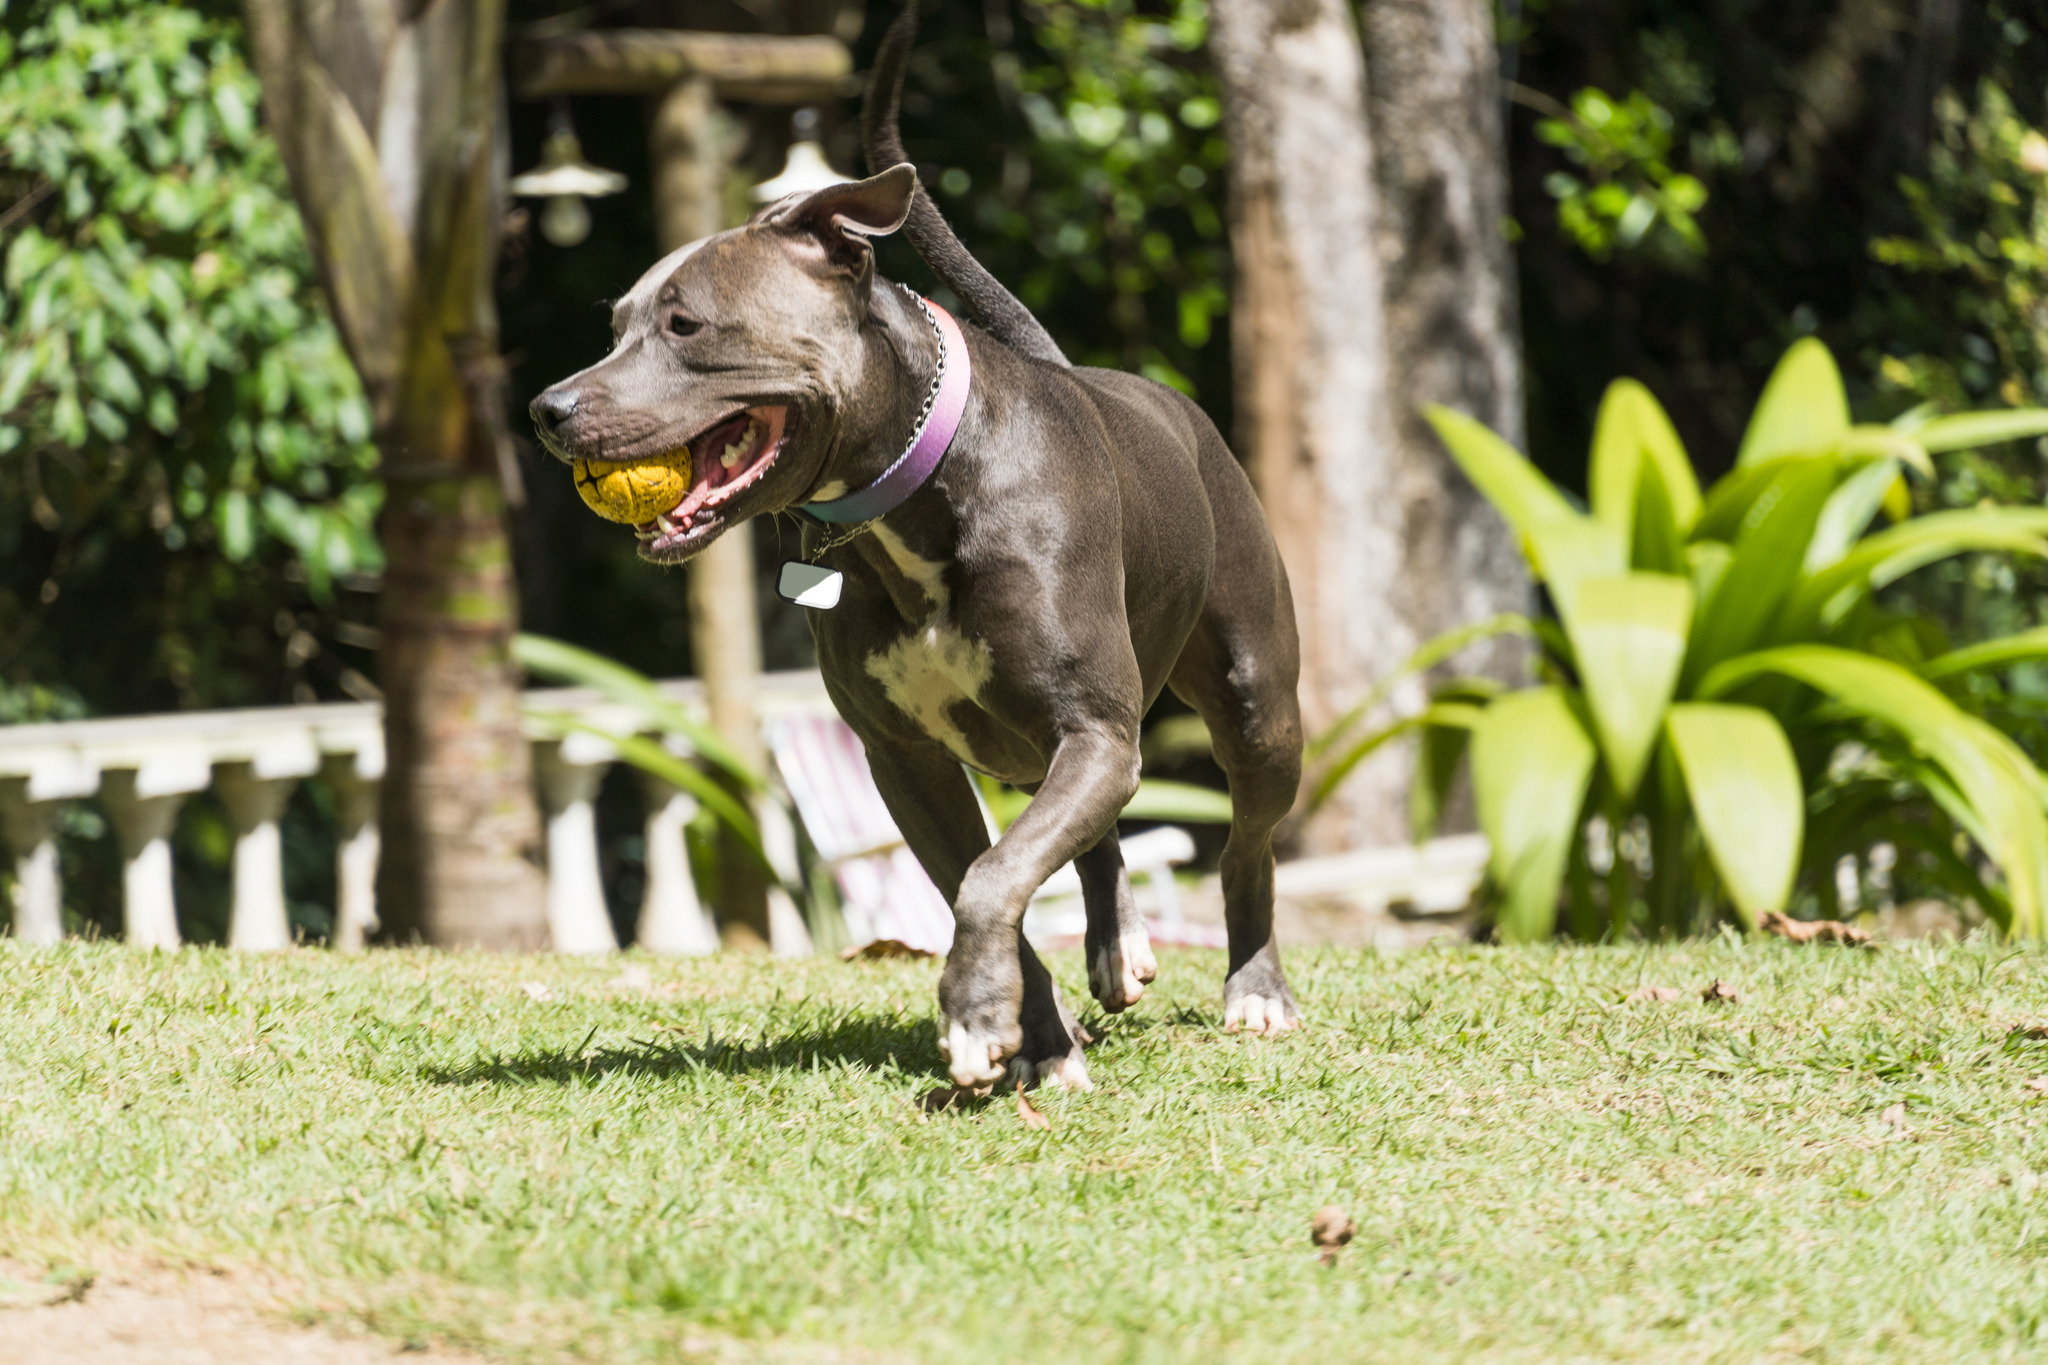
872	1042
866	1041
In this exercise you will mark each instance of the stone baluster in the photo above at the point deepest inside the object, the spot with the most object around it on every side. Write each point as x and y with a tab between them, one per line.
144	802
353	778
254	794
569	771
788	935
29	807
29	829
672	918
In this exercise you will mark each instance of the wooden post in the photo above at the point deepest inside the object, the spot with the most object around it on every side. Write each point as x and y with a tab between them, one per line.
725	631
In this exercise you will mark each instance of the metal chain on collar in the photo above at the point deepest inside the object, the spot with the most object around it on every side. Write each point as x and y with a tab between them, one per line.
924	417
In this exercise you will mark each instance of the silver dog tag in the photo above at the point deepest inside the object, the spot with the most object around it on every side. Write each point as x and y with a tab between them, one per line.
808	585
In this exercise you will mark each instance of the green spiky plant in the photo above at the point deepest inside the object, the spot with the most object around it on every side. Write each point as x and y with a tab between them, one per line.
1723	711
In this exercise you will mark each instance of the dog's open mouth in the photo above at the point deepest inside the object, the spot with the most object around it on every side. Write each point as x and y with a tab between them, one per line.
725	460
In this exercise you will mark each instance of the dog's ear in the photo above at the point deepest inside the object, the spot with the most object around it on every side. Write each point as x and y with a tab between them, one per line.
841	218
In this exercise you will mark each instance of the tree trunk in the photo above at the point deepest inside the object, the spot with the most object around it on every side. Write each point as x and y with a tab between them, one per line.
1338	344
387	117
1316	429
1452	326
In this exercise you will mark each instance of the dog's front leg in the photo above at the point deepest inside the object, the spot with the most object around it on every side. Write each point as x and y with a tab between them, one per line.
982	991
935	808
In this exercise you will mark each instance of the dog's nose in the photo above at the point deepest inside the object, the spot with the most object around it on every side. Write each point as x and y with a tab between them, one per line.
553	407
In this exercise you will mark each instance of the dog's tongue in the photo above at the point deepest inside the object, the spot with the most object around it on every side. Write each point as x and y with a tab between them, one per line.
709	467
712	474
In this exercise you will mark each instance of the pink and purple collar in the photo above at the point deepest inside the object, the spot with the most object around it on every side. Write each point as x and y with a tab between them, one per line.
927	447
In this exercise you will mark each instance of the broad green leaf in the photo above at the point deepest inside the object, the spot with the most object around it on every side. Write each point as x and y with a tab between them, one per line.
1870	442
1516	488
1563	544
556	659
1453	714
1744	787
1991	773
1531	762
1632	438
1770	546
1157	799
1629	634
1706	562
1968	430
1803	411
1734	498
1848	513
1570	552
1878	560
1658	545
1439	751
1898	500
2010	649
1431	653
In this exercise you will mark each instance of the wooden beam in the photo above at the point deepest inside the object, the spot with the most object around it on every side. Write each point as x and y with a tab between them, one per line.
742	67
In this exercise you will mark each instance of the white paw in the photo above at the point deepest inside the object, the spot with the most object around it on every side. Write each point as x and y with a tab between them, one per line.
1061	1073
971	1058
1120	972
1258	1014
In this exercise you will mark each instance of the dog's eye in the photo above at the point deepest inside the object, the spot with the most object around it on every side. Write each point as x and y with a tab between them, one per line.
683	325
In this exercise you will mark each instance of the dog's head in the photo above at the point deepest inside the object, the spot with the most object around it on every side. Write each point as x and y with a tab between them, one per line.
742	347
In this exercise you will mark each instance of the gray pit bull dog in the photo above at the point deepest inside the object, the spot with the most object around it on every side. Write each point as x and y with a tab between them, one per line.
1086	540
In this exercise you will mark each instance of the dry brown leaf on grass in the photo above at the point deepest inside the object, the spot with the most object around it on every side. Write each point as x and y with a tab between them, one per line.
536	990
1720	992
882	947
1028	1112
1331	1228
2033	1031
1812	931
1656	994
2039	1085
945	1097
1894	1115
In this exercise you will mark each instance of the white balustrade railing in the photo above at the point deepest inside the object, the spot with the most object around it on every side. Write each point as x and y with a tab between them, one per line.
142	768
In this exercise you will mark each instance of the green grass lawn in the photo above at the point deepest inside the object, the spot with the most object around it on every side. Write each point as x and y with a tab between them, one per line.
735	1164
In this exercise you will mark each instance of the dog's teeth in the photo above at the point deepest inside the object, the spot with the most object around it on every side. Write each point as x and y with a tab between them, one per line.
732	456
666	523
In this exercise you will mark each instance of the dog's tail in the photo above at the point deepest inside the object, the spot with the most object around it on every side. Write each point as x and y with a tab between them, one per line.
999	311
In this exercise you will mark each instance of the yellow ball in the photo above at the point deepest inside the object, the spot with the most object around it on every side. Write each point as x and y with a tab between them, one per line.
634	494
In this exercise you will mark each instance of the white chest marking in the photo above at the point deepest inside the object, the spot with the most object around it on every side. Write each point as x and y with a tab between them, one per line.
930	671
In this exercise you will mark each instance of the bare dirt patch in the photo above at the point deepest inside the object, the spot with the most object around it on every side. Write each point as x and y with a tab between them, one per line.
160	1316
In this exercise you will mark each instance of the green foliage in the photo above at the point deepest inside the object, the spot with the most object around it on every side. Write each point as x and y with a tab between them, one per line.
1629	196
1102	199
1726	697
1982	217
162	340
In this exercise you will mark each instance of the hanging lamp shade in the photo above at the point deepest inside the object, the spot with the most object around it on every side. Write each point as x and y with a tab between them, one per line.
565	180
805	168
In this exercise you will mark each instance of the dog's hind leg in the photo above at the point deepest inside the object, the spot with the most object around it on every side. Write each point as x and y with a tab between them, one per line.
1120	961
935	808
1239	670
